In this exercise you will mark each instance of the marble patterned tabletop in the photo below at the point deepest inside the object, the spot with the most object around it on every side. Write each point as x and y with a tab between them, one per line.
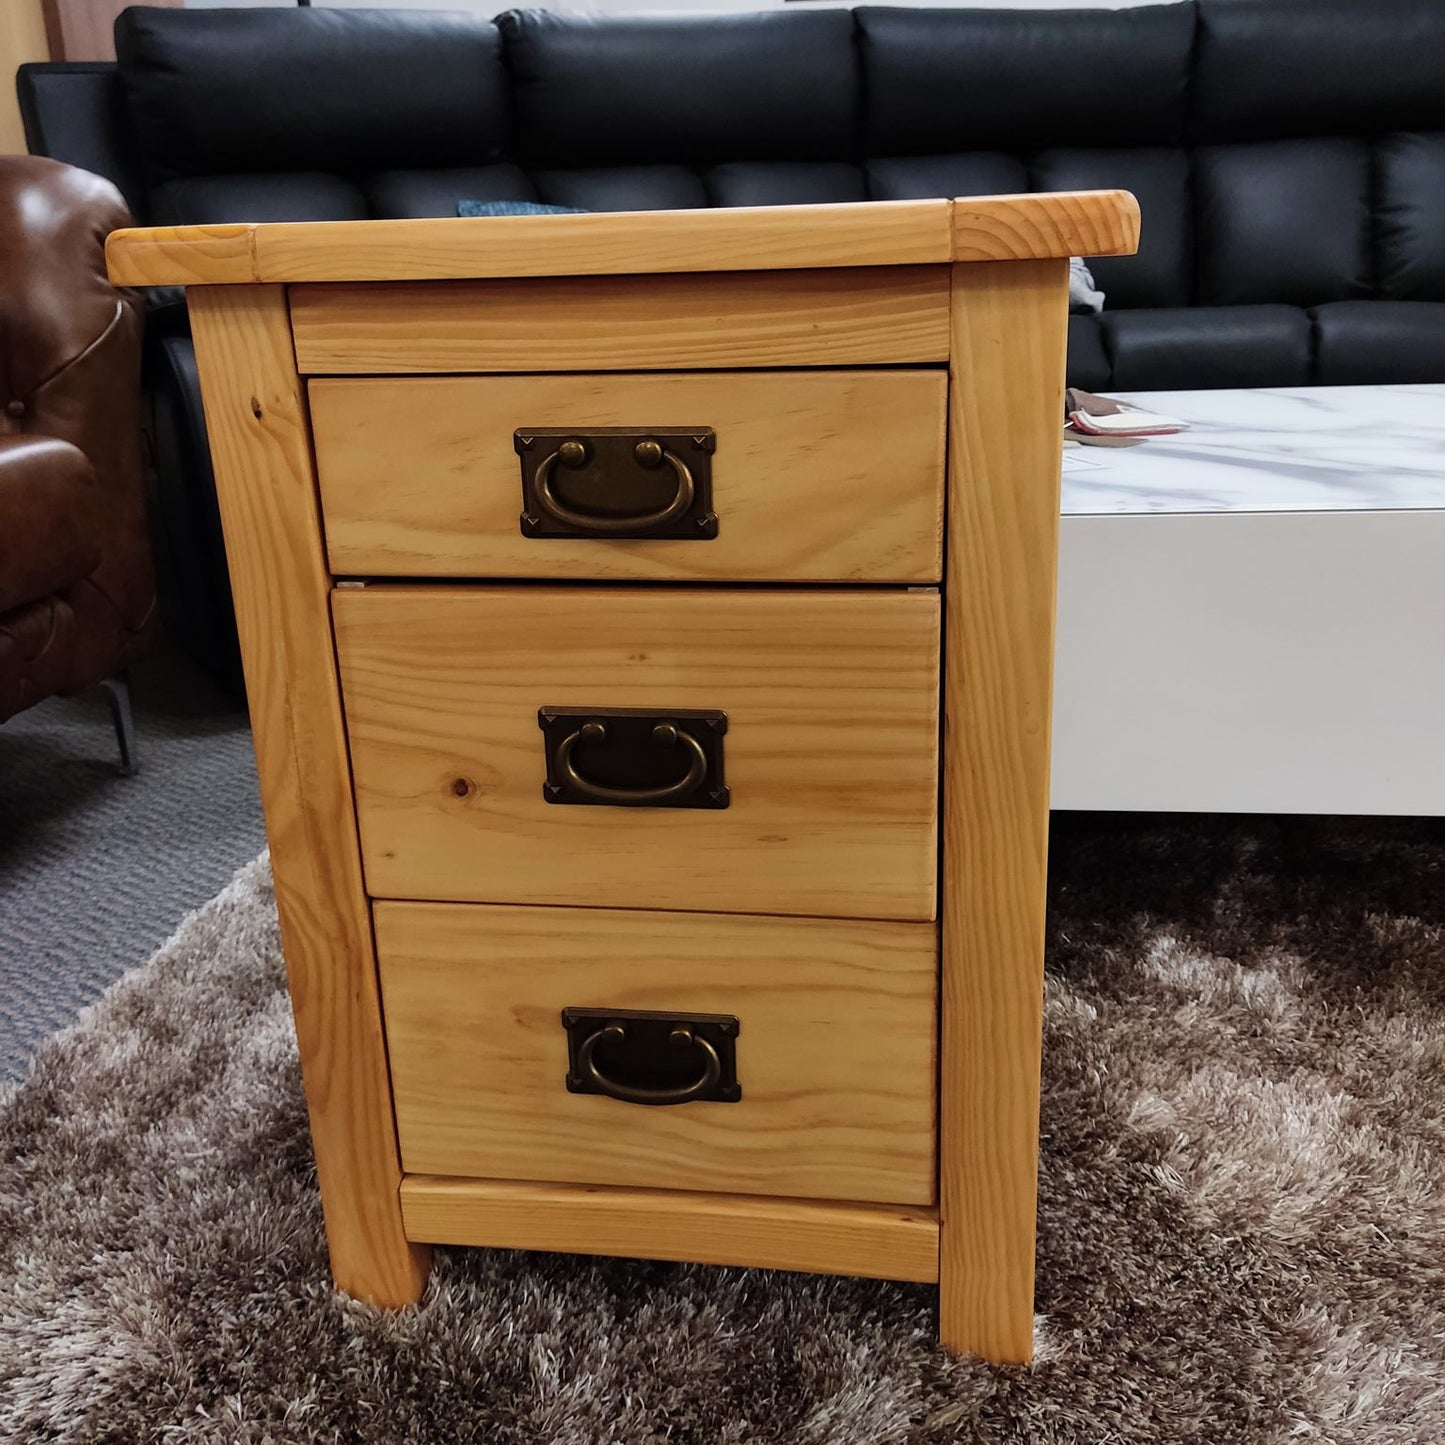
1291	449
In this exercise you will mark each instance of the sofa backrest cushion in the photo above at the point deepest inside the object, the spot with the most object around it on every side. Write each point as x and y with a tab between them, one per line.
1019	80
653	112
1013	100
660	89
1319	151
1409	180
1280	69
1282	152
1285	220
215	92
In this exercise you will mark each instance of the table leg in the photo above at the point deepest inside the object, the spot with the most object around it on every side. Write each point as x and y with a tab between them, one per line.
1006	416
260	441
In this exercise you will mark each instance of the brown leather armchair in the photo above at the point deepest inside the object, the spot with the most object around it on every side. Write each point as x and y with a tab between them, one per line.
77	587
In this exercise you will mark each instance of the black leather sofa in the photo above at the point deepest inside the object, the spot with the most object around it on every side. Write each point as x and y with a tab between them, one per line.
1289	157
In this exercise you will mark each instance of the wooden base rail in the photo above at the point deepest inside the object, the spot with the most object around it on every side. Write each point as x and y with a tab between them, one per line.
819	1236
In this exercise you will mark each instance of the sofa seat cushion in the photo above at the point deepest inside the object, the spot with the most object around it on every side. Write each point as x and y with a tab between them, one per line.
1371	343
1199	347
47	538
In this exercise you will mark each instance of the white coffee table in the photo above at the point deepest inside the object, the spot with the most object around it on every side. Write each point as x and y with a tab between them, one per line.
1252	613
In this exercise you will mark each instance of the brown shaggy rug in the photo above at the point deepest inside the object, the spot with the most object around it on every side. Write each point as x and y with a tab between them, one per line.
1242	1222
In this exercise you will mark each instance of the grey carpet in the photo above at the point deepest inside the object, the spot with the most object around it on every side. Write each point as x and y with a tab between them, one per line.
1242	1217
96	869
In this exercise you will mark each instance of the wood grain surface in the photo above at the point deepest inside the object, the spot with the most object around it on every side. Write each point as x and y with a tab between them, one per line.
831	751
1006	409
821	1236
818	476
623	323
871	233
256	418
836	1054
1036	227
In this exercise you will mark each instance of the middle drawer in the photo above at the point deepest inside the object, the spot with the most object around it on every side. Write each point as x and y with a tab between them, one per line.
829	750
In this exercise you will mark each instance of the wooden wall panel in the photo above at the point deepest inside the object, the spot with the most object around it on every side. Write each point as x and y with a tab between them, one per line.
85	29
22	39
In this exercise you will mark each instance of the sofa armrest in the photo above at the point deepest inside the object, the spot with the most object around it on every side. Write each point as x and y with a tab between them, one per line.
74	111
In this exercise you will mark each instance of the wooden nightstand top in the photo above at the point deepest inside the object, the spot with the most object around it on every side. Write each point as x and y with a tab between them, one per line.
874	233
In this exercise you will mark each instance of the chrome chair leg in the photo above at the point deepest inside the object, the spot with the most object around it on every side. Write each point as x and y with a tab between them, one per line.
117	694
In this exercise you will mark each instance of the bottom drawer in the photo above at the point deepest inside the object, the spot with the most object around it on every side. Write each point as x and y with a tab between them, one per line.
834	1053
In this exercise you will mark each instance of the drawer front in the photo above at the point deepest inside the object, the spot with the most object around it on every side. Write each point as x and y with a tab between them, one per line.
815	476
829	758
834	1051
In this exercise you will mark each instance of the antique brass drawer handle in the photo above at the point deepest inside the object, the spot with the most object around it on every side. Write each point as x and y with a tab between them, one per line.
649	453
665	735
644	1057
623	483
614	1088
628	757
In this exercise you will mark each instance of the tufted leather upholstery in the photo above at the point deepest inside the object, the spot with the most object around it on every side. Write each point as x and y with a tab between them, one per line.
1288	155
76	589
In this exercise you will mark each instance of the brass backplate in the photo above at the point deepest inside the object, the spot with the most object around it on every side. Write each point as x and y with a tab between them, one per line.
642	1062
606	482
634	757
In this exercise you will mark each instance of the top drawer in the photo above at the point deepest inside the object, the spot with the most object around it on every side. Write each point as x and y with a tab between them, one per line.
816	476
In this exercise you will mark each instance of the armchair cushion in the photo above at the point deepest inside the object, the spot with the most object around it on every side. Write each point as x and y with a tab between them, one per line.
47	540
36	643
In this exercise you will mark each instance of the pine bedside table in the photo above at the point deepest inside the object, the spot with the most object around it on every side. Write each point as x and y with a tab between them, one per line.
647	622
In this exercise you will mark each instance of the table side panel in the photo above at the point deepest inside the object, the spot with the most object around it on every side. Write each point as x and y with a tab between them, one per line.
1269	662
